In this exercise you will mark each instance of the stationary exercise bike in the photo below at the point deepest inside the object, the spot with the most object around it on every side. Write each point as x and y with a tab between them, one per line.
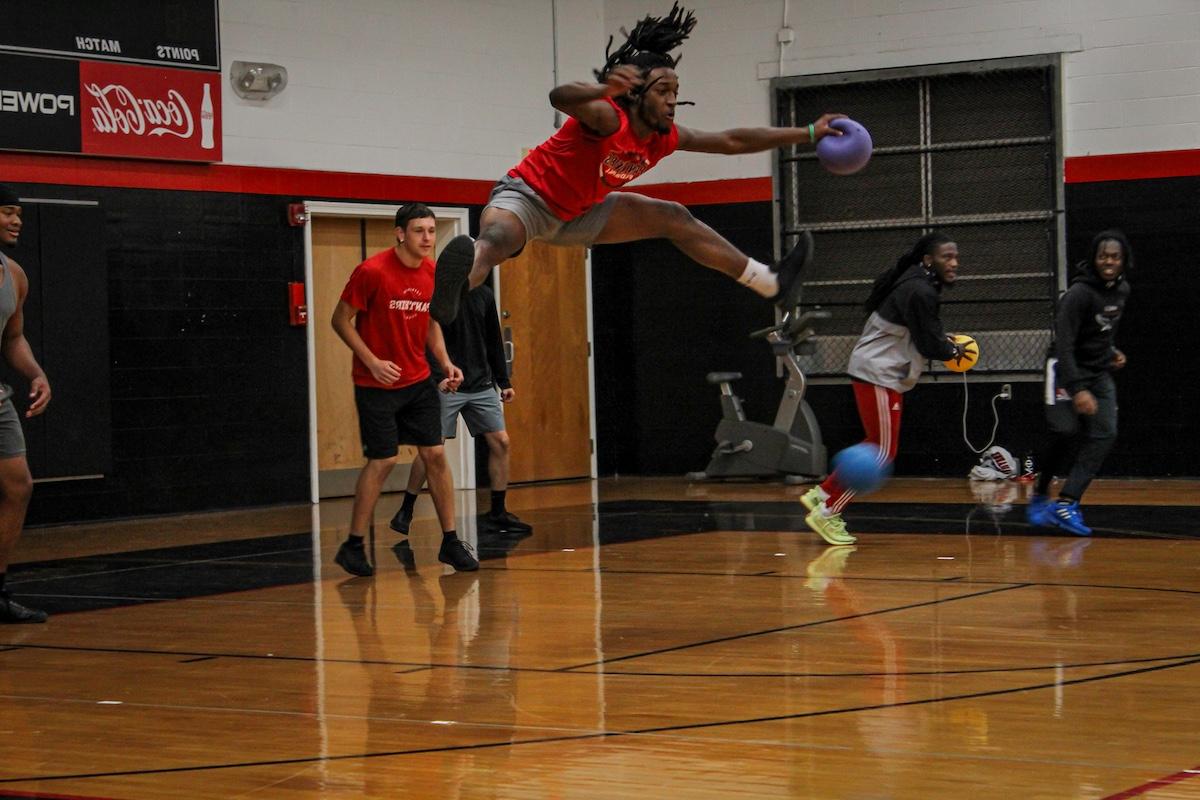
791	448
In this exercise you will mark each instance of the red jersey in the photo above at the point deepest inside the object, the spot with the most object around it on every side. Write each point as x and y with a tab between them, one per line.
393	315
575	168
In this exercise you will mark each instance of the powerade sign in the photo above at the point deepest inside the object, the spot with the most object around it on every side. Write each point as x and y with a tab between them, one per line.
98	108
39	104
178	33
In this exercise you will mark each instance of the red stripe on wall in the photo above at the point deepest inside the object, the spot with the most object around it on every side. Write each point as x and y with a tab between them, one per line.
698	193
128	173
135	174
1133	166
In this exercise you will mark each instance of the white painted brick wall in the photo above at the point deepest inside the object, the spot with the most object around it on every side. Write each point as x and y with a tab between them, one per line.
457	88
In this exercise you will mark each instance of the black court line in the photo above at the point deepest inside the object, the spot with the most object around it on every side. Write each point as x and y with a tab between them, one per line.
600	734
769	631
197	660
893	673
412	668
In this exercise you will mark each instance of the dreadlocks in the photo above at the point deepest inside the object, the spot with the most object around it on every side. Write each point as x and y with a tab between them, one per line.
650	43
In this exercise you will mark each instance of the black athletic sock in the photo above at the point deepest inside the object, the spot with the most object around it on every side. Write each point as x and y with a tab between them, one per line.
448	535
3	575
498	502
410	501
354	540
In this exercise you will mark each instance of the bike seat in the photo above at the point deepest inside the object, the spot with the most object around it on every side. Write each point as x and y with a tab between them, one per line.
723	377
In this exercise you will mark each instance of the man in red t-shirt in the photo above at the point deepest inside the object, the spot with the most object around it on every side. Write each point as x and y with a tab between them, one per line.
617	129
383	316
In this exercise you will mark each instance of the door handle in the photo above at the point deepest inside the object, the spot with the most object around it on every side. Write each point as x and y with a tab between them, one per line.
510	348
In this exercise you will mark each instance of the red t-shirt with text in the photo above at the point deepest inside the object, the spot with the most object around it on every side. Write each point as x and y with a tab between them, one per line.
393	315
575	168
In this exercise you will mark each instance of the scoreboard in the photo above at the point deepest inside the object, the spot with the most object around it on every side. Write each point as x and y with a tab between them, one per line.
177	33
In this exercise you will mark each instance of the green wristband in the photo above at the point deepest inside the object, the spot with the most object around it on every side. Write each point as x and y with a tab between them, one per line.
812	133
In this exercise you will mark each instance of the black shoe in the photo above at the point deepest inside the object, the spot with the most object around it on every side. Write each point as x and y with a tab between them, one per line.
13	612
450	280
507	522
789	269
405	555
401	521
354	560
457	554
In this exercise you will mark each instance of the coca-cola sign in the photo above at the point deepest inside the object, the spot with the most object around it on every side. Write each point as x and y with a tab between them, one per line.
149	112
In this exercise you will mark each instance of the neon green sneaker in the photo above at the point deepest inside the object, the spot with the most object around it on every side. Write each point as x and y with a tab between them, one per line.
811	499
830	528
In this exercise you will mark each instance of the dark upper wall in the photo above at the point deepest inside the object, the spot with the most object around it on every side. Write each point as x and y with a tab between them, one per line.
209	397
662	322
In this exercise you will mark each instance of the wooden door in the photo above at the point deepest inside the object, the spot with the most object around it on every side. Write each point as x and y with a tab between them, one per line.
543	308
337	247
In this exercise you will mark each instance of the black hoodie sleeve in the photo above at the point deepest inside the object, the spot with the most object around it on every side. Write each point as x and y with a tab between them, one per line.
1072	308
494	341
923	322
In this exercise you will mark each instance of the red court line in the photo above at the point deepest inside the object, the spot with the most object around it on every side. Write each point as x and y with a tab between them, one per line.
1157	783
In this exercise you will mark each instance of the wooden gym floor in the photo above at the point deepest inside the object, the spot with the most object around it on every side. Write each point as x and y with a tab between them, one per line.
651	639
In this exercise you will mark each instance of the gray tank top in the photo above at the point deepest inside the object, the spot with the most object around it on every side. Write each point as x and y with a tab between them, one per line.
8	307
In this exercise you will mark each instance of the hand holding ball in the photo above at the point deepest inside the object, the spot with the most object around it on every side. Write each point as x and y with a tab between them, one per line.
970	353
848	153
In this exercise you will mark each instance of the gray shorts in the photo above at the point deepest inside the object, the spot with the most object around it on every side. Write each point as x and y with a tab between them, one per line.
515	195
481	410
12	438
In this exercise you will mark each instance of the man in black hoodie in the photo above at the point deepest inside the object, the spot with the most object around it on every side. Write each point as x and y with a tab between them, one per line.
1081	398
478	346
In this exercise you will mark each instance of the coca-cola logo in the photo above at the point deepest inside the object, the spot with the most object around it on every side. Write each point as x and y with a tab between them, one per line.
119	110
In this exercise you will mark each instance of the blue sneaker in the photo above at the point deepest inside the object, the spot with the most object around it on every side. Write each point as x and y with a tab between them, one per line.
1068	517
1039	513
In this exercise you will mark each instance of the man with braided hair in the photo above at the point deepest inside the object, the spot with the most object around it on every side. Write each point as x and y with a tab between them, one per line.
617	129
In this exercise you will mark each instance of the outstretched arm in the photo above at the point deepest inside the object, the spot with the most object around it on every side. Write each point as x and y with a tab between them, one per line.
737	141
586	101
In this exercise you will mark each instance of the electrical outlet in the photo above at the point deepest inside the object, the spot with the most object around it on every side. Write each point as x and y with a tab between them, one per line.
1006	392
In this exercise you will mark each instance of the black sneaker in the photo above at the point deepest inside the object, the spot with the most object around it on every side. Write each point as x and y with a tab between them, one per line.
457	554
450	279
354	560
401	521
507	522
405	555
789	269
13	612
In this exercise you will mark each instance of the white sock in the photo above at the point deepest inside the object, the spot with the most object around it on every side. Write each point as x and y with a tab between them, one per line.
761	278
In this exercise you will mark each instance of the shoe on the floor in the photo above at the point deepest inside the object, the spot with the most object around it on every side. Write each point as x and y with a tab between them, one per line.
1038	513
1068	517
831	528
811	499
353	559
457	554
507	522
450	279
789	270
401	522
13	612
405	555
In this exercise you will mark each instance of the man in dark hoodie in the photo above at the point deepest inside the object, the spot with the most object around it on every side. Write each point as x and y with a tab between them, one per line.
1081	398
902	332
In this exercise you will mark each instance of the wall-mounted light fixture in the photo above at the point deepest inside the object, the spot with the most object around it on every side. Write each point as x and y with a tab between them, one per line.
254	81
